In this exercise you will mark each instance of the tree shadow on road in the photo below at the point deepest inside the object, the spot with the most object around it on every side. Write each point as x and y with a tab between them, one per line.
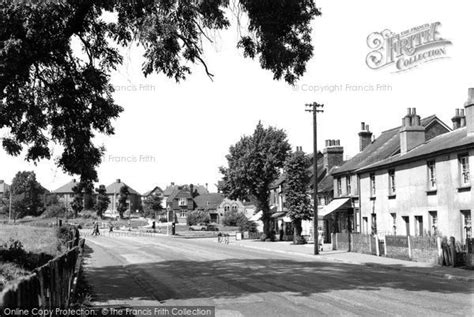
232	278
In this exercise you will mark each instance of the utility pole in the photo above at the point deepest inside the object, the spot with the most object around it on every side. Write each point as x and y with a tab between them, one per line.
315	108
10	205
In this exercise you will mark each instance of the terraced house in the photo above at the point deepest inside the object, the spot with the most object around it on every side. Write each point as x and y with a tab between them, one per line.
346	206
425	189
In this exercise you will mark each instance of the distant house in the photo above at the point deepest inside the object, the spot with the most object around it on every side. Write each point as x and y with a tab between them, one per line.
179	203
133	201
4	188
156	191
229	205
210	203
65	194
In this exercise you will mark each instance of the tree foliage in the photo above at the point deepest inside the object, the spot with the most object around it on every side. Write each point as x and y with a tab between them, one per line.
77	203
122	201
253	164
196	217
27	195
51	92
152	206
102	202
296	190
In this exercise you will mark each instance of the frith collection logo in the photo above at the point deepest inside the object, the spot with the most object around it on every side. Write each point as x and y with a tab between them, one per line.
406	50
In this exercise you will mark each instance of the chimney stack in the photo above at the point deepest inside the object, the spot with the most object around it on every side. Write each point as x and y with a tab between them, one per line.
469	112
118	180
412	132
459	119
333	154
365	136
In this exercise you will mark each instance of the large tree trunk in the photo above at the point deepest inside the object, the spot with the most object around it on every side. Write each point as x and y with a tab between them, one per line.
297	238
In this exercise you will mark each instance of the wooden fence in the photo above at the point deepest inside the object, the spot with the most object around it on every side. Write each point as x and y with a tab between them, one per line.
49	286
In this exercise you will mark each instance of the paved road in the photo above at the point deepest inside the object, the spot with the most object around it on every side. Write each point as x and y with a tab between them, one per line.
246	282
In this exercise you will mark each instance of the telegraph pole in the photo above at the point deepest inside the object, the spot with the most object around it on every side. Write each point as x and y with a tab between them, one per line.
315	108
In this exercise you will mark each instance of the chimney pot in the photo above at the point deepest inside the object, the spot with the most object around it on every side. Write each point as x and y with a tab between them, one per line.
362	126
457	113
338	142
407	121
462	122
461	113
413	111
118	180
417	121
408	111
367	128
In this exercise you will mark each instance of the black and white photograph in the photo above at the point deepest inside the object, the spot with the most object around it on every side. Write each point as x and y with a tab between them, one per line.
228	158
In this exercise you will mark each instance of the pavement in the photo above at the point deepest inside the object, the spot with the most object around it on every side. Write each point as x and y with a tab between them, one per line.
252	278
328	254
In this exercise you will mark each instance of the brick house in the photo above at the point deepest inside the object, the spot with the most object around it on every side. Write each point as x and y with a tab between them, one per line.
133	200
179	203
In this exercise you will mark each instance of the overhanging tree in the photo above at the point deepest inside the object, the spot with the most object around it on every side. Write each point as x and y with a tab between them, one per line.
253	164
296	191
52	93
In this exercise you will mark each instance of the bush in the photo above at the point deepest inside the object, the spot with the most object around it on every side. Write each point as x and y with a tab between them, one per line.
56	210
13	251
197	216
232	218
88	214
67	233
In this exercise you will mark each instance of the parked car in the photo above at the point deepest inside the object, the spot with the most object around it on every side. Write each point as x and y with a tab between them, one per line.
211	227
200	227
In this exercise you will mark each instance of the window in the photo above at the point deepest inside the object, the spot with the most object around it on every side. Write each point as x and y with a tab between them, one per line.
464	170
183	214
406	219
372	185
365	225
394	223
182	202
348	185
322	200
434	222
391	182
419	226
235	208
374	224
431	174
466	224
226	208
339	187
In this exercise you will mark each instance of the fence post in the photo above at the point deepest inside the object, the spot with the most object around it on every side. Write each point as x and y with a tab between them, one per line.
453	250
384	245
377	249
440	250
410	254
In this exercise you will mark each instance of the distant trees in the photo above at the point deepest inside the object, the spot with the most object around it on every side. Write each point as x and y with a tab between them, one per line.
102	202
77	203
122	201
296	187
27	195
152	206
253	164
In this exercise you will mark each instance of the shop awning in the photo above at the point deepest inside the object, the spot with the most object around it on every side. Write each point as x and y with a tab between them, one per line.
334	205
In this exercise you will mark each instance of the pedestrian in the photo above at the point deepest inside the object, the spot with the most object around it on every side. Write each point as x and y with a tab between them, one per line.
282	232
97	232
93	229
111	226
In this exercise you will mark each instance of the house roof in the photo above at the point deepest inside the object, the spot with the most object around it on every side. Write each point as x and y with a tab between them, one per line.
447	142
156	189
179	193
169	189
208	201
386	145
327	183
116	186
66	188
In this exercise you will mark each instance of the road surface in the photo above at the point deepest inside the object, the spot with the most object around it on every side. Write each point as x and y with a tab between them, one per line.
245	282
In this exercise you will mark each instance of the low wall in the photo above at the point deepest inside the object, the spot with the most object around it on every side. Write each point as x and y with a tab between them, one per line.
397	247
424	249
361	243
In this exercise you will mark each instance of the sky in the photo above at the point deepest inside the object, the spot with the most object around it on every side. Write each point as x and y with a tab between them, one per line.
181	132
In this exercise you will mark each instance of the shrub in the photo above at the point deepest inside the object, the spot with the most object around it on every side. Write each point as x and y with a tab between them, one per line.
197	216
232	218
53	211
67	233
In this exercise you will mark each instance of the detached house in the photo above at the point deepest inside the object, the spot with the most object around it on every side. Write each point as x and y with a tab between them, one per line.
4	188
426	188
133	200
65	194
346	206
179	203
210	203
